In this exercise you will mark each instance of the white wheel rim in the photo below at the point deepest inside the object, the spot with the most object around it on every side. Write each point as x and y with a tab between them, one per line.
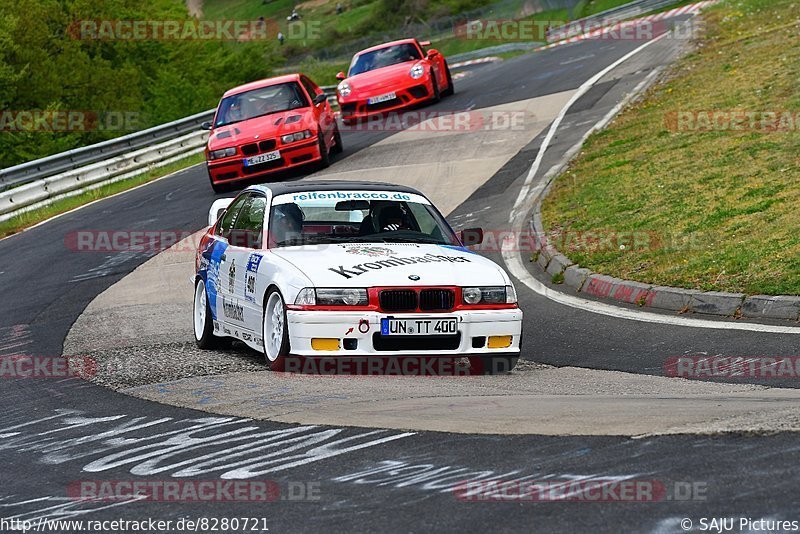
199	310
273	327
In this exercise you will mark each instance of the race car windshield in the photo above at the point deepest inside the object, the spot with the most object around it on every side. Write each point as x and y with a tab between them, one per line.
260	102
318	222
383	57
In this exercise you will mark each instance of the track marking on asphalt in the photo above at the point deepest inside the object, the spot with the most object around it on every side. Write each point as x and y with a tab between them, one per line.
529	194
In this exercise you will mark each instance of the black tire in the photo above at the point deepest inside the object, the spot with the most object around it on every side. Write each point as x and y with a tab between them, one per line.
451	89
337	140
325	157
282	352
220	188
493	365
436	95
204	336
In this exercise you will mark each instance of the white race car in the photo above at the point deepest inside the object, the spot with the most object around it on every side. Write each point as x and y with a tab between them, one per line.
350	269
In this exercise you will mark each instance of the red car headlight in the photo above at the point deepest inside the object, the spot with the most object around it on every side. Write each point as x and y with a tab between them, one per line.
297	136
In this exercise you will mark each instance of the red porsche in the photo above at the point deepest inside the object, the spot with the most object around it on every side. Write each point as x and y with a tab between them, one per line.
392	76
268	126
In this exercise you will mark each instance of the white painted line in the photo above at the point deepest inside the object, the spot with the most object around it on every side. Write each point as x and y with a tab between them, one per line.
582	90
528	195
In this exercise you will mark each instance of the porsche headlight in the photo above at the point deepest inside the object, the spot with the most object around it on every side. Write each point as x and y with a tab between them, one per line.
297	136
489	295
417	71
222	153
332	297
344	89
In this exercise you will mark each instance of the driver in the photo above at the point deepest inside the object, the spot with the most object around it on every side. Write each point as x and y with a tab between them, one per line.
234	111
392	218
287	222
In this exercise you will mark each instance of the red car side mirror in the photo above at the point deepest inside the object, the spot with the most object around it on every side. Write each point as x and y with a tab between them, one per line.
432	53
340	76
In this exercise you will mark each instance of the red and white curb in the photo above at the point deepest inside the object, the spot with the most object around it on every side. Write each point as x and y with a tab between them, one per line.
460	64
687	9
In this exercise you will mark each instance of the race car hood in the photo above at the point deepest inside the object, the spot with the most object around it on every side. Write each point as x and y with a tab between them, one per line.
383	78
392	264
265	127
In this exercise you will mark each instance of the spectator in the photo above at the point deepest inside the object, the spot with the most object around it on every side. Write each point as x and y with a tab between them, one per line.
281	38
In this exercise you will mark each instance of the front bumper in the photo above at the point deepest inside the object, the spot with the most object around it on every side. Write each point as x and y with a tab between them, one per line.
232	169
307	325
356	108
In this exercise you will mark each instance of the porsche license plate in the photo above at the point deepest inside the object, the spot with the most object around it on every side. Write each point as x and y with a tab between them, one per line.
421	326
381	98
263	158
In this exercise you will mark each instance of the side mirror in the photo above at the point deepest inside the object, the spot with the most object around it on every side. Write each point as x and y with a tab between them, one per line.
424	43
432	53
320	99
340	76
471	236
205	126
217	209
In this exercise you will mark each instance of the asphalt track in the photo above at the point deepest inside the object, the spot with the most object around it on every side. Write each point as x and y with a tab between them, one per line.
58	432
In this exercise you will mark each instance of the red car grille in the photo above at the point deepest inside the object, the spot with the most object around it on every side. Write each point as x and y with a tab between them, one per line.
252	149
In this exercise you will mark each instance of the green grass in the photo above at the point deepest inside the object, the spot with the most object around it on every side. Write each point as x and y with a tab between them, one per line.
716	209
29	218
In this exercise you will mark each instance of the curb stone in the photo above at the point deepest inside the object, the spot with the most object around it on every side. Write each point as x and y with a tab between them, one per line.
717	303
575	276
558	264
765	306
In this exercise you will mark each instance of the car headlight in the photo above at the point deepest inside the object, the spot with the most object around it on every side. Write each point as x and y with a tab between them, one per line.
417	71
489	295
222	153
332	297
344	89
297	136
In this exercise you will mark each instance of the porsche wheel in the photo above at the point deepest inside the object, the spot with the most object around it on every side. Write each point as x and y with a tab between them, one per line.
436	95
451	89
203	324
275	331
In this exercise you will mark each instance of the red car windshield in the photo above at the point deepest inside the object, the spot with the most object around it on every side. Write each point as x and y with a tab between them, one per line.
259	102
383	57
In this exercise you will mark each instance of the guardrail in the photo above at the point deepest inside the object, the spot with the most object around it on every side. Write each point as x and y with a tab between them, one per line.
36	183
609	16
73	159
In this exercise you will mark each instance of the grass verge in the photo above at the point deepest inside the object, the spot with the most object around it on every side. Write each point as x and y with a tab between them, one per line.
709	206
29	218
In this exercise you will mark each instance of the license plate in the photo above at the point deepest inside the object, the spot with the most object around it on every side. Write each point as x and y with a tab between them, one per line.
263	158
382	98
446	326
